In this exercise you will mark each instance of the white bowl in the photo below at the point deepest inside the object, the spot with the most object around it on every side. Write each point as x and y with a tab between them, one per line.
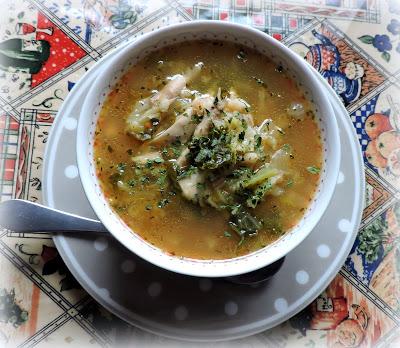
247	37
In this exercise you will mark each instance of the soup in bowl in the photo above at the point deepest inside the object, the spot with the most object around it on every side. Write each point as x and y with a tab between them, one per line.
209	153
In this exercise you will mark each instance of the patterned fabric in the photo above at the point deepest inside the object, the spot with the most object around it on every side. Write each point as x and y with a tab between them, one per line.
353	44
358	118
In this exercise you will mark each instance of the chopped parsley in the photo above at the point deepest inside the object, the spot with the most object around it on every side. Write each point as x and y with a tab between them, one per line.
313	169
162	180
131	182
280	130
259	81
200	186
287	148
114	178
258	140
162	203
242	55
243	223
183	173
149	164
121	167
212	151
144	179
227	234
258	194
196	118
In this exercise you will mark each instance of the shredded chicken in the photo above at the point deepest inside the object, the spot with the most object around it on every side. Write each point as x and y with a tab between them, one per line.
190	186
182	160
145	157
184	126
181	129
146	113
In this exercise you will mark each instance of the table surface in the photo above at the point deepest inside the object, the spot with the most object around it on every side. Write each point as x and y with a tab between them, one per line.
355	44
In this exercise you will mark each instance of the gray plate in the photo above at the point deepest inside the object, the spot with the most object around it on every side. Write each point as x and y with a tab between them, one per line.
190	308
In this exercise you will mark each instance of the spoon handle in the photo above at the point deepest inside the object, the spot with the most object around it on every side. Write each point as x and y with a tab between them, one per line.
24	216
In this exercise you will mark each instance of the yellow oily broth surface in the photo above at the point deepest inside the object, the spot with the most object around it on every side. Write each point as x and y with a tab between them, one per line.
182	228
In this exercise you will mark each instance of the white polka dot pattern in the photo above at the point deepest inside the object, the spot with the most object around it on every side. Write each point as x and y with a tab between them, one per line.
101	244
181	313
302	277
345	225
280	304
70	123
323	251
71	172
340	178
205	284
231	308
154	289
128	266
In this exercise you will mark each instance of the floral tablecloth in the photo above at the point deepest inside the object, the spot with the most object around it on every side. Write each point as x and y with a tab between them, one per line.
47	45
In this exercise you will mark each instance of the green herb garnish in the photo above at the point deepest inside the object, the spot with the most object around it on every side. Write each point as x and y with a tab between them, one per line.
280	130
149	164
243	223
258	140
163	203
212	151
131	182
144	179
114	178
258	80
196	118
313	169
287	148
258	194
242	55
121	167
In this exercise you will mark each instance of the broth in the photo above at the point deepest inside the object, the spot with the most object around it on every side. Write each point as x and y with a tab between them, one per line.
155	204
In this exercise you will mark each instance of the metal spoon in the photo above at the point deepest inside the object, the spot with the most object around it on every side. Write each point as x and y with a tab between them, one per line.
24	216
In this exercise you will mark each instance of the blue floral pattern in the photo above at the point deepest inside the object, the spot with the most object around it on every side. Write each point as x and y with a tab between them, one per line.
394	27
383	42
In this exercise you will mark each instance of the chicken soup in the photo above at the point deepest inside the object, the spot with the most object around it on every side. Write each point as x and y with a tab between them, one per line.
208	150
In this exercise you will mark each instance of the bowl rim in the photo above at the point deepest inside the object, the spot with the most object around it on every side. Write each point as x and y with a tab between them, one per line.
197	267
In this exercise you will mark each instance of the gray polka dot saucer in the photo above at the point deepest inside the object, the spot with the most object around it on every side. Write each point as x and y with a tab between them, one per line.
192	308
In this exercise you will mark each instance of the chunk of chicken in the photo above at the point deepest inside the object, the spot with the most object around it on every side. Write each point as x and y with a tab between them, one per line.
233	103
270	132
201	103
142	159
280	160
147	112
190	186
250	159
182	160
203	127
181	129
